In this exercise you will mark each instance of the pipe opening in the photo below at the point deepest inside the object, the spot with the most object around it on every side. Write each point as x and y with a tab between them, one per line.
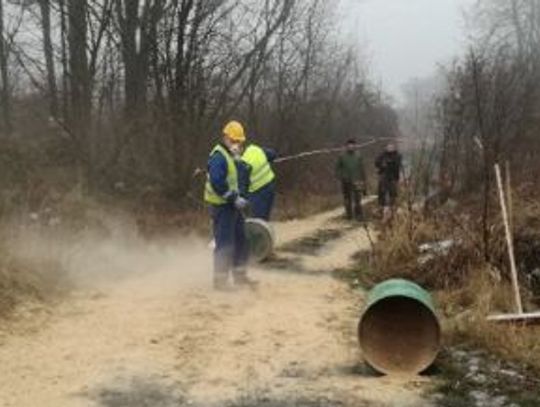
399	335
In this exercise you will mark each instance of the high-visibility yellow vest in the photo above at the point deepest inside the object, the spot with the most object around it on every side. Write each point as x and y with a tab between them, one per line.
261	170
211	196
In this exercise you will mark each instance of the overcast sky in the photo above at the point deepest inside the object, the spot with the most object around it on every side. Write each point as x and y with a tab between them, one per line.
406	38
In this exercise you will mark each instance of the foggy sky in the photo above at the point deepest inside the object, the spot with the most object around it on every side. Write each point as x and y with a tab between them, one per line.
406	38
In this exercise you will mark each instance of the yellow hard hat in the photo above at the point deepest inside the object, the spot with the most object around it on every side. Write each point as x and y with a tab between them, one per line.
235	131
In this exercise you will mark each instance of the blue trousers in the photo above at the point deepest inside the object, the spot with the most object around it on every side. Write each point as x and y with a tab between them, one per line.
262	201
231	251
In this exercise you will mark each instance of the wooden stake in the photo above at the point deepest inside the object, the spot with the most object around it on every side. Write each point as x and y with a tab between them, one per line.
509	241
531	318
509	199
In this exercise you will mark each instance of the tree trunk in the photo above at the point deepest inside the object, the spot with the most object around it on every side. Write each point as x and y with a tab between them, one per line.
45	9
5	97
80	114
64	60
134	34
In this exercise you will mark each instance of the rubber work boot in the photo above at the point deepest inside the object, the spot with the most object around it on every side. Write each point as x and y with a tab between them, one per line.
220	282
242	280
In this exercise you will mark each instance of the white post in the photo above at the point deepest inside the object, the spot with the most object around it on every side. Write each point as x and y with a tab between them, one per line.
509	241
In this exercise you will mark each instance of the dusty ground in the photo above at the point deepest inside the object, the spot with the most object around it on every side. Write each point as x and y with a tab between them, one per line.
160	337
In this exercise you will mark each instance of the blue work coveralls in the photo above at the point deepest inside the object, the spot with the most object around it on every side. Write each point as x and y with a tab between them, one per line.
231	249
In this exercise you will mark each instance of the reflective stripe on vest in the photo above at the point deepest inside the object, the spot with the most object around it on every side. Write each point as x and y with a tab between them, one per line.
261	170
210	196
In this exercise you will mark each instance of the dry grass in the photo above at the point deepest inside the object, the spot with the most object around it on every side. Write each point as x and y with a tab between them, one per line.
398	254
24	280
464	314
32	267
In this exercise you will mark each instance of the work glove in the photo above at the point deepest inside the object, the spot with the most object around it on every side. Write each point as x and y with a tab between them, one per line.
231	196
240	203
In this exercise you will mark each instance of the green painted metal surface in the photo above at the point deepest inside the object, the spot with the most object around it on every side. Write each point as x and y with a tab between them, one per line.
400	288
399	331
260	237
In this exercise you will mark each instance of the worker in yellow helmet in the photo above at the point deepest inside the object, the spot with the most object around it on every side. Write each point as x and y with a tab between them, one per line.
222	193
261	181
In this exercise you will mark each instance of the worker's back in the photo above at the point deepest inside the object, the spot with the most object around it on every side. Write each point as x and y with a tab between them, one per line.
260	182
258	160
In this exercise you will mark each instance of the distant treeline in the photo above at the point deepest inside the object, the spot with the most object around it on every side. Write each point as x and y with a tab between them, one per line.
132	93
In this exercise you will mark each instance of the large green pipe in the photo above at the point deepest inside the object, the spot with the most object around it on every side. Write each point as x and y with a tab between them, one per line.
399	331
261	239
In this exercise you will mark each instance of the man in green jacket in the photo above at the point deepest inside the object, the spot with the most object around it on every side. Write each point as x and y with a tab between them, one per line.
350	171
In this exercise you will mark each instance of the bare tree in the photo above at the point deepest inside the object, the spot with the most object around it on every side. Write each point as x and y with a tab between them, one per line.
144	86
79	75
135	21
5	96
48	52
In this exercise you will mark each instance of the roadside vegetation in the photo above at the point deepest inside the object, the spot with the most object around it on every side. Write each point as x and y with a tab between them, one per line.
448	234
123	128
446	258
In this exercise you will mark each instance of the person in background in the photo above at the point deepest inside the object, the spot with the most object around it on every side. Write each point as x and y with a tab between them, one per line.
389	167
350	171
222	194
260	182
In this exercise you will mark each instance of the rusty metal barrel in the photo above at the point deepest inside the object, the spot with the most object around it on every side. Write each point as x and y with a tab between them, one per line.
399	332
261	239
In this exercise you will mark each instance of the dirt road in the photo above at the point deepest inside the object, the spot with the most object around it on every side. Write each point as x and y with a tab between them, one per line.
160	337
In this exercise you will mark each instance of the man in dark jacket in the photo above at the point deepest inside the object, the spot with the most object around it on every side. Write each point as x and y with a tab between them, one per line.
389	167
350	171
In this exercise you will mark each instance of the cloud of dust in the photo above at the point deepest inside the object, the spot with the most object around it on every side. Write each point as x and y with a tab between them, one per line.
111	253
